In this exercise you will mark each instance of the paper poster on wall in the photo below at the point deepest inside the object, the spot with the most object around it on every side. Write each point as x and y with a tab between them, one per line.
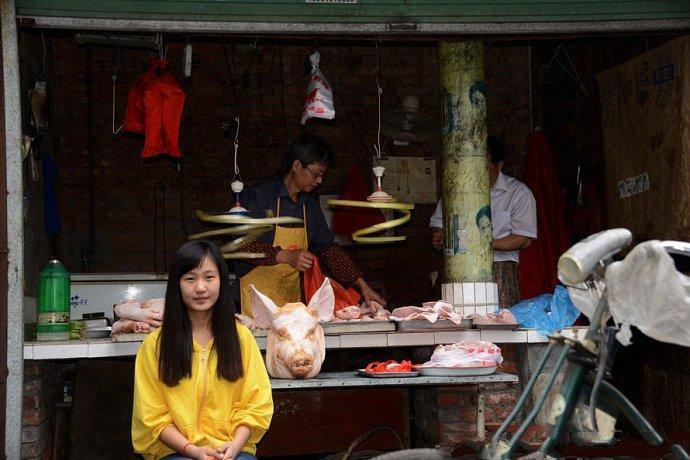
633	185
410	179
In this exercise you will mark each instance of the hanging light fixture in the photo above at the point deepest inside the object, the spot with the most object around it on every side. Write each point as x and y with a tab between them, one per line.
237	185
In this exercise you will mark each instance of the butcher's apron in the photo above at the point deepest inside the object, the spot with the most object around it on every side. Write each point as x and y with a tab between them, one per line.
280	282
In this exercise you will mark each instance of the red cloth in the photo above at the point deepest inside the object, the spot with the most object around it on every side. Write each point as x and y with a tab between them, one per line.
537	269
347	220
154	108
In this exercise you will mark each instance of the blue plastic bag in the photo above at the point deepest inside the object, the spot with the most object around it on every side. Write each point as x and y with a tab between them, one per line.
546	313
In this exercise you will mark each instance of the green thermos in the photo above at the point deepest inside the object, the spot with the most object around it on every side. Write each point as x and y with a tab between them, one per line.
53	302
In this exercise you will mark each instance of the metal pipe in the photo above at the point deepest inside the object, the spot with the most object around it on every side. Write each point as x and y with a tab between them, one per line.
86	254
540	402
468	253
574	378
15	241
415	30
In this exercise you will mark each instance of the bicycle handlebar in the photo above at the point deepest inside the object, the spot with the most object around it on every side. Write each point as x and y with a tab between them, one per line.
578	262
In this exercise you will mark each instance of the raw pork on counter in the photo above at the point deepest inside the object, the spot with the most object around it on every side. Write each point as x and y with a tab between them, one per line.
431	311
136	317
503	316
468	353
372	312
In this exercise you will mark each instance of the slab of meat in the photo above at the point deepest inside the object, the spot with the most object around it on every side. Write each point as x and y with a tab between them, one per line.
503	316
122	326
347	313
382	315
431	311
468	353
155	305
150	312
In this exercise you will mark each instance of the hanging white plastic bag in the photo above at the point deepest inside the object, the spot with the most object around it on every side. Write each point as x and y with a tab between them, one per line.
645	290
319	100
585	296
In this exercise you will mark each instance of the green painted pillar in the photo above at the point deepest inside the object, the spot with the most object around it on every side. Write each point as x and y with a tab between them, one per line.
468	252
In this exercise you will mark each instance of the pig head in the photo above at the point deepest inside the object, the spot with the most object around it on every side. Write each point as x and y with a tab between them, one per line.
296	345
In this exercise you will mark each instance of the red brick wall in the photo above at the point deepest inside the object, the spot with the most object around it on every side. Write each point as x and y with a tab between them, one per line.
40	390
447	416
270	108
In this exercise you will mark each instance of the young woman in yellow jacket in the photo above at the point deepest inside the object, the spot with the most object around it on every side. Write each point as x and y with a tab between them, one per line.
201	390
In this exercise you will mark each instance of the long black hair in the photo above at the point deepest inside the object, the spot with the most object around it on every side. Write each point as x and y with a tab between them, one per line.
308	149
175	340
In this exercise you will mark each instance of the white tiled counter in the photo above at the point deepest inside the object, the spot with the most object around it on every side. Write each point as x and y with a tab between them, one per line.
103	348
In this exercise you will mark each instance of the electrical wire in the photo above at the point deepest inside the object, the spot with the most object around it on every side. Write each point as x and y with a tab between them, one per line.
117	70
282	91
337	94
43	71
379	91
236	144
180	170
529	76
159	214
230	66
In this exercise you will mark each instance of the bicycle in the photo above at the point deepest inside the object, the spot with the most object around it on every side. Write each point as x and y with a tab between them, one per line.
589	360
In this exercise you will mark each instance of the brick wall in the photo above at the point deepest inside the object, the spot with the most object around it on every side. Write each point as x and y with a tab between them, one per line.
45	416
265	86
38	403
448	415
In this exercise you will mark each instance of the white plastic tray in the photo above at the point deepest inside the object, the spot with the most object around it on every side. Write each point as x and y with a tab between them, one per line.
454	371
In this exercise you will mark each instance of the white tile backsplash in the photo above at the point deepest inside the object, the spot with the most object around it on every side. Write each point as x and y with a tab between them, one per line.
457	293
468	293
480	292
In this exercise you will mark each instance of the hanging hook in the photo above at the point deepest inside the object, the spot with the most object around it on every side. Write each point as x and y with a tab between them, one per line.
159	45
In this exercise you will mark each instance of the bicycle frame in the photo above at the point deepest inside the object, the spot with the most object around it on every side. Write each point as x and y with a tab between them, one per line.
578	381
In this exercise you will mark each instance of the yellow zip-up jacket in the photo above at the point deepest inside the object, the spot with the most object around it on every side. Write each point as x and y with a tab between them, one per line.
205	409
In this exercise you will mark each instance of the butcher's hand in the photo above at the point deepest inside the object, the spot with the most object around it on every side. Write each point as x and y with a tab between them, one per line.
230	450
368	293
437	238
297	258
202	453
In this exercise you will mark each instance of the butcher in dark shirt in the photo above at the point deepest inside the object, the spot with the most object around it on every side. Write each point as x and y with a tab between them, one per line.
291	249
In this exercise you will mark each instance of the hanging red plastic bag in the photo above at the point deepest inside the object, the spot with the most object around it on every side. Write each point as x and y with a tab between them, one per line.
164	101
319	100
154	108
136	109
313	279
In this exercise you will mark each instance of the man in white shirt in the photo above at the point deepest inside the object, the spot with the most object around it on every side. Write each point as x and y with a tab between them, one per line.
514	220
